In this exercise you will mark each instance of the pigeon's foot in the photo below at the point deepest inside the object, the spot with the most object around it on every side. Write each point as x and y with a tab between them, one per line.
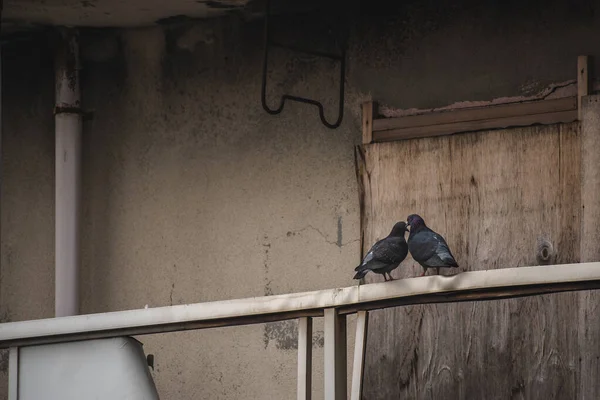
437	270
390	275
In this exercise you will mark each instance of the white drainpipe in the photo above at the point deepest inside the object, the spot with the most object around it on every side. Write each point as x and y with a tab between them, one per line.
68	126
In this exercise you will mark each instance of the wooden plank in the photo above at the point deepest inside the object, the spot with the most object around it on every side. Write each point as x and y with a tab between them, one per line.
13	374
335	355
305	358
492	194
361	174
589	303
475	125
583	81
478	114
360	342
369	110
590	179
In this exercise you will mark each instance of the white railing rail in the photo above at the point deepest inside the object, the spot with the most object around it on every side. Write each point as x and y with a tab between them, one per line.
332	304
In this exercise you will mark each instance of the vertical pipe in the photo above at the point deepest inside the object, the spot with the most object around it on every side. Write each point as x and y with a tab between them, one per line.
305	358
68	126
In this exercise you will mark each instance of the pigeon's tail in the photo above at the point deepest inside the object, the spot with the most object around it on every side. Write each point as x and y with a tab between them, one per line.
357	268
360	274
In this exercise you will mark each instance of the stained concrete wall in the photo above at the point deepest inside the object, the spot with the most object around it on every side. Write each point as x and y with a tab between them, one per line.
193	193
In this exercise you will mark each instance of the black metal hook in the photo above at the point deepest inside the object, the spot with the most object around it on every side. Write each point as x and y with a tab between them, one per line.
341	58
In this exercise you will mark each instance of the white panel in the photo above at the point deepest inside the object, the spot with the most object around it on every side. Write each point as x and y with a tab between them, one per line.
104	369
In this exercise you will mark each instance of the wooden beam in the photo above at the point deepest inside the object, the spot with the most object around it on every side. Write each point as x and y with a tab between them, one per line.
483	118
583	81
562	110
477	114
361	179
474	125
589	303
360	345
369	111
305	358
590	179
335	355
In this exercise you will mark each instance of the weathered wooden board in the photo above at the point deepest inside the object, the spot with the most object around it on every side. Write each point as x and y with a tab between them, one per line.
589	302
494	196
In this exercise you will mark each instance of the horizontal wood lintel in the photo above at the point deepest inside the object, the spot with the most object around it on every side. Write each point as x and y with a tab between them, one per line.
561	110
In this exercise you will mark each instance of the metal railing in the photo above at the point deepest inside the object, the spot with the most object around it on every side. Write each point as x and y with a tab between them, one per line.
332	304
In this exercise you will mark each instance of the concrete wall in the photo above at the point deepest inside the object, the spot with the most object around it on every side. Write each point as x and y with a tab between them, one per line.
193	193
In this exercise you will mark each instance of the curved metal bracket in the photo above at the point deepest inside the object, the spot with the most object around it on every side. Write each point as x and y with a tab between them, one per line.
341	58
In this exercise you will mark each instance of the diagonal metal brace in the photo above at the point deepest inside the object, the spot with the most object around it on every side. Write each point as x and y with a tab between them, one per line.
336	57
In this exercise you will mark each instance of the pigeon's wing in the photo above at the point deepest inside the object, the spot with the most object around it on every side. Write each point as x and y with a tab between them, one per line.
443	252
391	251
384	253
370	255
431	249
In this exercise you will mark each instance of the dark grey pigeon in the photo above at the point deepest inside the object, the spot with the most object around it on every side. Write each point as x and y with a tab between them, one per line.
427	247
385	255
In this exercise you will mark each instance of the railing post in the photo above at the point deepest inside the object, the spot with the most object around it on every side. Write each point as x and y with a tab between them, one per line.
304	358
360	344
335	355
13	373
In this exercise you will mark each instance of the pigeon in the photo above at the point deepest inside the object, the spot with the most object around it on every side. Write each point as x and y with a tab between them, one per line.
427	247
385	255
